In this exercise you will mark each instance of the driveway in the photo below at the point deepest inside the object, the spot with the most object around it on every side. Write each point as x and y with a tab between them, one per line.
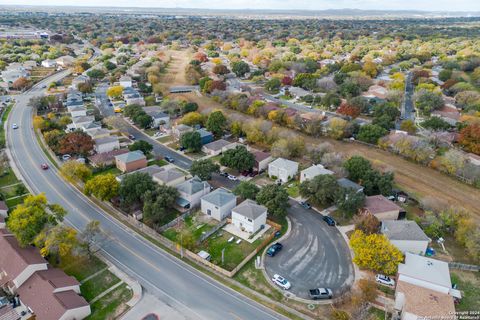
314	255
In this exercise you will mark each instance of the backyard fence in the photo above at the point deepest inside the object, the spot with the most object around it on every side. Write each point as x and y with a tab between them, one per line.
463	266
212	231
175	221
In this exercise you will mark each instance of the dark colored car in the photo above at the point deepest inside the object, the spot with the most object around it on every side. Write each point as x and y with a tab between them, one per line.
306	205
274	249
278	234
224	174
329	221
169	159
131	137
253	173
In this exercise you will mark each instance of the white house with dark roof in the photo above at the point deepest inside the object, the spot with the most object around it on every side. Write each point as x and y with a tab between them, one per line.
406	235
218	204
313	171
159	118
106	144
283	169
169	177
249	216
191	191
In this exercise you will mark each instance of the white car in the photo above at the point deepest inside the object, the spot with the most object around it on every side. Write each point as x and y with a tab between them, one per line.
281	282
66	157
380	278
14	126
233	178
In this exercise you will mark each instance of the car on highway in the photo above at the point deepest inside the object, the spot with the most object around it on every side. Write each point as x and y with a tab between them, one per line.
306	205
14	126
320	293
274	249
232	178
169	159
281	282
329	221
44	166
382	279
131	137
66	157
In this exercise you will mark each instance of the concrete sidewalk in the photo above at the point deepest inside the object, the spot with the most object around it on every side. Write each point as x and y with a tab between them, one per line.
152	308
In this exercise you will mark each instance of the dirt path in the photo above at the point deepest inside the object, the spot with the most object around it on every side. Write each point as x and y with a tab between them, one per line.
417	180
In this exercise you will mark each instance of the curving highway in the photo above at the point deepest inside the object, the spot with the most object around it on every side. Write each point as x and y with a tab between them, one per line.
176	283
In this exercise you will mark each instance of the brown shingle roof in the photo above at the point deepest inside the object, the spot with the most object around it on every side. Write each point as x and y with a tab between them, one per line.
57	278
101	158
379	204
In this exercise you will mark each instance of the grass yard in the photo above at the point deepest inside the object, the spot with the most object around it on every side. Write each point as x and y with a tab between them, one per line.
81	268
98	284
293	190
191	225
159	162
340	219
469	283
113	170
8	178
377	314
166	139
2	131
112	305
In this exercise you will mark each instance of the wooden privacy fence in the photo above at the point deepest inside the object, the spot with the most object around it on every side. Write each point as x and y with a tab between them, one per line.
463	266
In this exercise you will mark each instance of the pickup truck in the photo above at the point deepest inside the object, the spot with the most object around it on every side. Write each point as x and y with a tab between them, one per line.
320	293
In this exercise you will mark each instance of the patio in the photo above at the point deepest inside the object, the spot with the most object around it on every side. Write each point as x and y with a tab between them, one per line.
230	228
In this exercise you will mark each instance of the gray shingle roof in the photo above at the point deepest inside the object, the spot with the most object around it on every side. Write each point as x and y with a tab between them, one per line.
131	156
250	209
219	197
168	175
217	145
403	230
349	184
192	186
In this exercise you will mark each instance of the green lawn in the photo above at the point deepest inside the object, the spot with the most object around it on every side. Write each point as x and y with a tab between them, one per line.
113	170
98	284
341	219
111	305
2	131
292	189
12	190
165	139
469	284
159	162
196	229
15	201
81	268
8	178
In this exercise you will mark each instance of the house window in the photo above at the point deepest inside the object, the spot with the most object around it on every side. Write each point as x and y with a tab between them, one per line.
209	212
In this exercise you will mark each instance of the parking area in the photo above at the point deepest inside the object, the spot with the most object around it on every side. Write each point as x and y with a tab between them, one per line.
314	255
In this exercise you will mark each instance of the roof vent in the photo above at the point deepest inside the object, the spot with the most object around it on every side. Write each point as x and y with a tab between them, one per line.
429	263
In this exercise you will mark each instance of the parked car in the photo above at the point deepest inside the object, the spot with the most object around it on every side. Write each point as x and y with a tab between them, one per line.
320	293
66	157
278	234
281	282
14	126
380	278
233	178
253	173
274	249
306	205
131	137
169	159
224	174
329	220
44	166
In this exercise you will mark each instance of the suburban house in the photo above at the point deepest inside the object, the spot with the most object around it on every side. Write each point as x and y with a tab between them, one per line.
181	129
77	111
131	161
448	113
191	191
382	208
376	93
132	96
473	159
106	144
217	147
313	171
43	292
3	209
96	133
249	216
80	122
406	235
159	118
262	159
282	169
106	158
150	170
125	81
205	136
349	184
49	63
424	289
218	204
65	61
81	79
169	177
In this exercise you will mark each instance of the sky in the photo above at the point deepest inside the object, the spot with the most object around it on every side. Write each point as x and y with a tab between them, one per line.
426	5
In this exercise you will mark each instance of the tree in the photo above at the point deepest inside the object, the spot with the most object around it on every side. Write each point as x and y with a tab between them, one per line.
246	190
427	101
96	74
436	123
349	110
220	69
349	201
104	186
238	158
368	290
193	119
115	92
190	107
76	143
158	202
275	198
336	128
29	218
321	189
192	141
408	126
59	241
216	123
240	68
141	145
370	69
375	252
143	120
74	171
89	235
349	89
470	138
367	223
357	167
21	83
370	133
273	85
134	186
204	169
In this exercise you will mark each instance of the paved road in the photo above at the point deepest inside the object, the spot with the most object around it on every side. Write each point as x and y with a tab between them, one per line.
101	100
175	282
408	109
313	255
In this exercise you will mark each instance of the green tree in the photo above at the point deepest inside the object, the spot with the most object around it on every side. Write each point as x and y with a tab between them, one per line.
273	85
103	186
436	123
321	189
240	68
370	133
190	107
246	190
204	169
408	126
193	119
96	74
141	145
427	101
74	171
216	123
29	218
192	141
349	201
58	241
275	198
133	188
357	167
158	202
238	158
